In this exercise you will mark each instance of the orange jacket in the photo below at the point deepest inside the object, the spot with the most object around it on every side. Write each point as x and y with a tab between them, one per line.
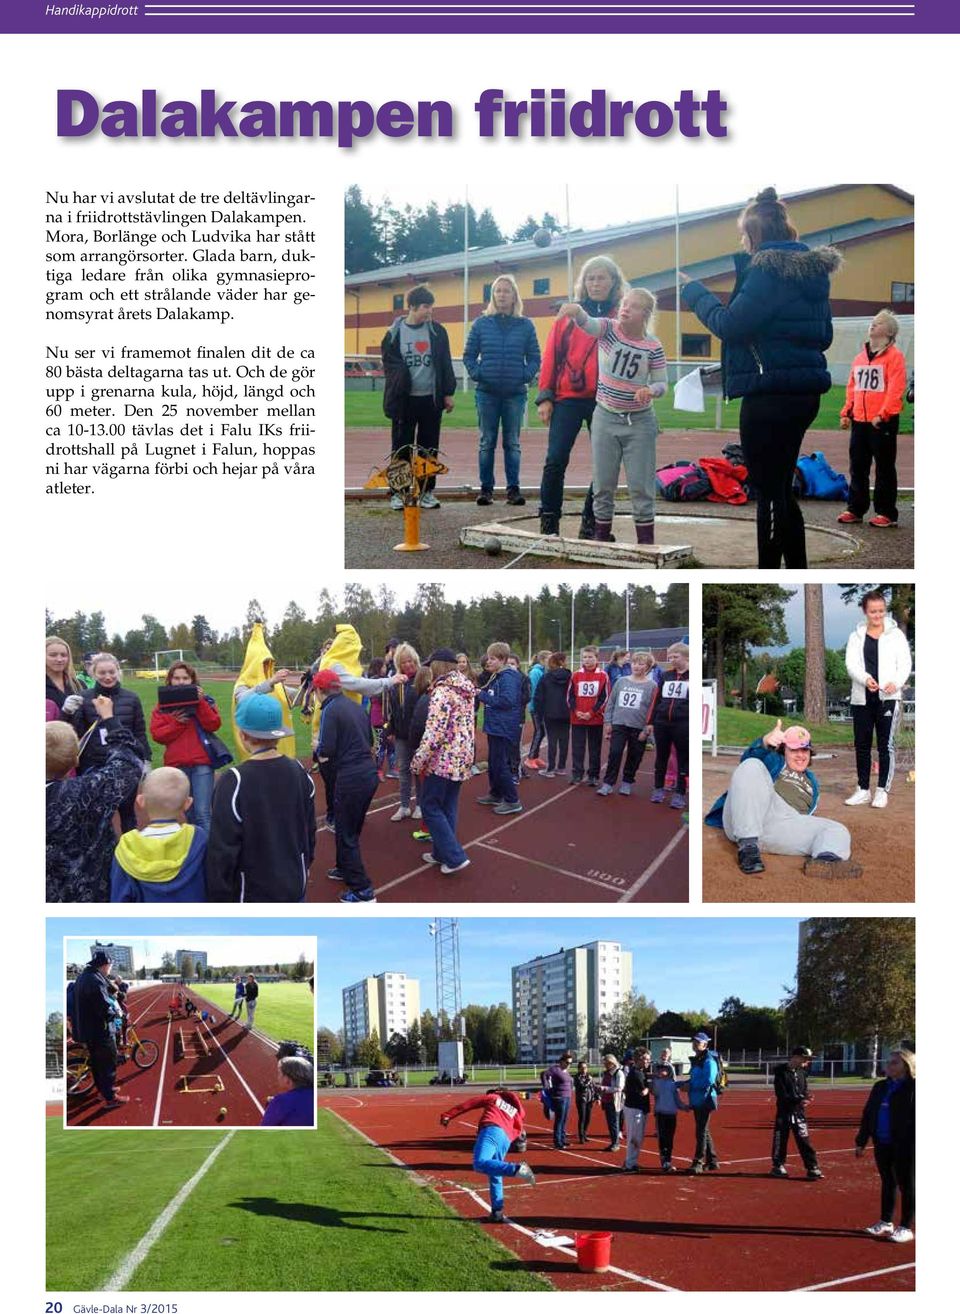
875	388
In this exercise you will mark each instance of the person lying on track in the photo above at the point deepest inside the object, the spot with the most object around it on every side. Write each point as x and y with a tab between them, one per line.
501	1123
772	803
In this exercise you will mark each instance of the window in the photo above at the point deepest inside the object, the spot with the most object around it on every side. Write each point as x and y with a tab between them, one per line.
398	300
541	287
901	291
695	344
487	289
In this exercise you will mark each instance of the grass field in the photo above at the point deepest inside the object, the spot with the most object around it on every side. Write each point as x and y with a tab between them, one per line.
291	1211
221	691
741	728
364	410
284	1008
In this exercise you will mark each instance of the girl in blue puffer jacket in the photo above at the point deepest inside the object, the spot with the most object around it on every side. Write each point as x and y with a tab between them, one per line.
774	330
502	357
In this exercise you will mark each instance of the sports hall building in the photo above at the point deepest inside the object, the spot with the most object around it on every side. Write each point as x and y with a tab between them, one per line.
871	224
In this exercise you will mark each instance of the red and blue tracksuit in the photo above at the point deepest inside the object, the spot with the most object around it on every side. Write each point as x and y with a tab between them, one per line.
500	1124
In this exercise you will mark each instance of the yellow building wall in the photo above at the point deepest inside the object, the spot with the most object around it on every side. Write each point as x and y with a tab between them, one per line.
869	269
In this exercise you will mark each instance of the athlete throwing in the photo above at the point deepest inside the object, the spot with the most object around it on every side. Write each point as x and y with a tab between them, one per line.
501	1124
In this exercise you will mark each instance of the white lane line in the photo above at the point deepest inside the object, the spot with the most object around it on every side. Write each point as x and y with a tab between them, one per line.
527	812
163	1069
548	866
135	1020
119	1279
233	1065
658	862
570	1250
271	1044
857	1277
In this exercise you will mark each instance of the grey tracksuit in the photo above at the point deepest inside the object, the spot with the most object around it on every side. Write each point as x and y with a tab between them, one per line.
627	438
753	808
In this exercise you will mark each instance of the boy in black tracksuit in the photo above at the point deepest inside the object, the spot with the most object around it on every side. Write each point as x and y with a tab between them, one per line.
344	740
790	1092
671	726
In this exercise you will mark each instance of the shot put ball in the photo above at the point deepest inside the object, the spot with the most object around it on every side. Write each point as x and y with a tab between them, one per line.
542	237
221	1115
492	547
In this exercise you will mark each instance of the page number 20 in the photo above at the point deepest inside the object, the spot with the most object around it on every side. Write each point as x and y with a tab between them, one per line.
53	1307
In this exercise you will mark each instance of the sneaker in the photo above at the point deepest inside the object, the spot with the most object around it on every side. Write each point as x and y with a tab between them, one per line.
827	866
450	871
390	774
496	1216
848	518
679	802
333	874
485	497
858	797
526	1174
667	1167
432	859
879	1229
508	809
430	501
560	771
575	780
548	775
593	781
489	800
695	1170
884	522
658	796
358	896
749	860
713	1167
421	835
396	502
605	790
778	1170
515	497
814	1174
625	789
416	815
625	1169
901	1234
879	798
401	814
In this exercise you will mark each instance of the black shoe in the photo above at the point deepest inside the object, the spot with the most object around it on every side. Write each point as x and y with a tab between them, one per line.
588	528
778	1170
814	1175
549	524
749	860
515	497
485	497
695	1170
333	874
496	1216
713	1167
667	1168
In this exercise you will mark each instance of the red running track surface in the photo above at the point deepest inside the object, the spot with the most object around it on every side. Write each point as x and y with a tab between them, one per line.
244	1061
568	846
735	1230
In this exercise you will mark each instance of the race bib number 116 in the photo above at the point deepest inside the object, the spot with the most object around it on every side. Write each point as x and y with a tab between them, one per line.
869	378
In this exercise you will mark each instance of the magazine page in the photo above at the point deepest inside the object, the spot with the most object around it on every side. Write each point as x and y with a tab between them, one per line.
399	935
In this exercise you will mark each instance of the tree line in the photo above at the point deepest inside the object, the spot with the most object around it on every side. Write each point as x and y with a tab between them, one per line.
428	621
378	233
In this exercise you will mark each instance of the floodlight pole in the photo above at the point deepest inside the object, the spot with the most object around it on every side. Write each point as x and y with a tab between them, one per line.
573	612
628	618
446	935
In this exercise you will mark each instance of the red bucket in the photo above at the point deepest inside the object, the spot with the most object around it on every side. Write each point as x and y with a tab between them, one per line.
593	1251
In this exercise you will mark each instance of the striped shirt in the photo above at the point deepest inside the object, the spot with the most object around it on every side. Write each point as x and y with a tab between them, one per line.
626	364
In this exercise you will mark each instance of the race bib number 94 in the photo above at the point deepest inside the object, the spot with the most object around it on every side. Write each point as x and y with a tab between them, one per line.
869	378
676	689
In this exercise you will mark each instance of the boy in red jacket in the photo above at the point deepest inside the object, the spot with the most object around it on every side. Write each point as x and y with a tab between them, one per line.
878	380
501	1123
587	698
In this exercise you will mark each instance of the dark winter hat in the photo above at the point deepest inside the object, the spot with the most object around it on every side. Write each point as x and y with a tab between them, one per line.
99	958
442	655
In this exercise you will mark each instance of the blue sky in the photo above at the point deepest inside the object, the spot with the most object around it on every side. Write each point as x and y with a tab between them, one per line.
681	963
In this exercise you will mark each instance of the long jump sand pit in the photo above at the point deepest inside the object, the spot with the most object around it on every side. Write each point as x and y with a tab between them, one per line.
883	844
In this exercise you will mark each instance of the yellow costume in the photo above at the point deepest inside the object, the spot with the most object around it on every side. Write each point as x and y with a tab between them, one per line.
345	653
258	665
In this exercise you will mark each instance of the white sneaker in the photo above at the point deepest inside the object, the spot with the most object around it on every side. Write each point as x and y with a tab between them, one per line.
417	815
526	1174
396	502
901	1234
879	1229
401	814
879	798
858	797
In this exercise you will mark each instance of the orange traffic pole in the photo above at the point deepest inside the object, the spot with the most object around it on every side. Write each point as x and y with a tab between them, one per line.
411	531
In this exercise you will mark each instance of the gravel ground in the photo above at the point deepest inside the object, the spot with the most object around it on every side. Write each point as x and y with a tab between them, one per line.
371	530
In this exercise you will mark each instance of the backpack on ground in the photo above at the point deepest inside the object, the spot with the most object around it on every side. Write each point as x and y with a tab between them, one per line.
682	481
820	480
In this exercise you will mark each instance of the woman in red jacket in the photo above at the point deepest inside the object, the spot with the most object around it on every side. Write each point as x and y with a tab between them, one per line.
180	733
568	386
501	1124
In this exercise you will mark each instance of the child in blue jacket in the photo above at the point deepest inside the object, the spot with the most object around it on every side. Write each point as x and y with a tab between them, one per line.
502	699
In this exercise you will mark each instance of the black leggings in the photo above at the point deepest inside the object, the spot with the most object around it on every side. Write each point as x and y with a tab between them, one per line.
668	734
558	742
772	428
897	1170
878	716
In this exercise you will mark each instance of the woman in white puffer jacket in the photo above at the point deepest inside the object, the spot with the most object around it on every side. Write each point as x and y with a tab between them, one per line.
879	665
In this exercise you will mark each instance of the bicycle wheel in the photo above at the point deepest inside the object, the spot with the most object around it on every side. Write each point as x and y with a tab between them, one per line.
79	1080
146	1053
